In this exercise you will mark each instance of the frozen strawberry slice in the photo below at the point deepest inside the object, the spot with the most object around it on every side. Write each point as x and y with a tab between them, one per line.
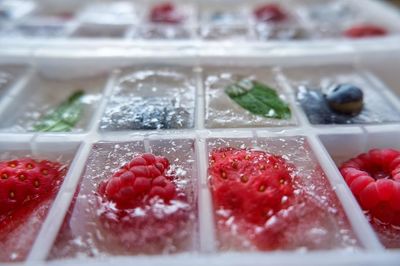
165	13
363	31
270	13
252	185
373	179
141	204
25	180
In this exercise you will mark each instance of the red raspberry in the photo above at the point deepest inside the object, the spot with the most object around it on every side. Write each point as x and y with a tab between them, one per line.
165	13
251	184
270	13
146	205
137	181
25	180
374	179
363	31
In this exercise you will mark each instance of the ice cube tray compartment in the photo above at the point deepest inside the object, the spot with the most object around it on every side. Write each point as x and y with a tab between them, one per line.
42	93
17	245
310	179
67	66
151	97
308	82
9	74
82	234
87	30
340	151
221	113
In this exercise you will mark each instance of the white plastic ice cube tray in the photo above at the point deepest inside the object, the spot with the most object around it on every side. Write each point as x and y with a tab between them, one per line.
328	143
129	24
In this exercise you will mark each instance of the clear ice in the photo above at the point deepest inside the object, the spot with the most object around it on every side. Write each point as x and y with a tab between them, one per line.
160	98
316	220
222	112
310	84
150	230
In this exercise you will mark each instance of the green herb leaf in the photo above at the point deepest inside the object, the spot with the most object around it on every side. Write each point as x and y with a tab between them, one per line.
258	99
64	117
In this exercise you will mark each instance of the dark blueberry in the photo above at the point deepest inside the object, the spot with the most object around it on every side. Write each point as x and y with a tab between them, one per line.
345	99
150	113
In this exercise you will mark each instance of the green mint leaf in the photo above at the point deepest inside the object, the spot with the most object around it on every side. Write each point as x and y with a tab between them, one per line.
64	117
258	99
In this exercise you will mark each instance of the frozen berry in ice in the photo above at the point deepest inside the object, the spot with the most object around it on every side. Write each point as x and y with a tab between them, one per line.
166	13
147	113
374	179
363	31
252	185
138	181
345	99
24	180
142	206
270	13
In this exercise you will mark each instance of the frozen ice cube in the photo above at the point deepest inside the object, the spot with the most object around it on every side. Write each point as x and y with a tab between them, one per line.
312	82
15	9
19	231
227	23
9	74
314	219
146	113
157	98
343	147
285	25
224	16
42	94
87	30
281	31
89	229
18	238
171	32
121	13
225	32
330	18
221	111
47	29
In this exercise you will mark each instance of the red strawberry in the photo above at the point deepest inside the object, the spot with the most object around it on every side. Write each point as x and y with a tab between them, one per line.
165	13
25	180
251	184
270	13
374	179
26	222
146	206
367	30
